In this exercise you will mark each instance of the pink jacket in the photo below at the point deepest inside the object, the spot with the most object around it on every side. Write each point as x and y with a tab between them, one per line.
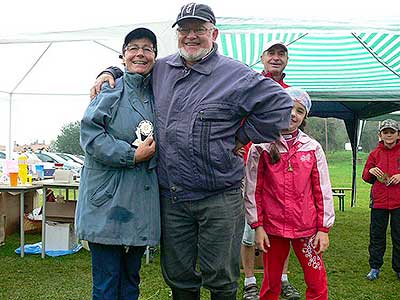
388	160
292	198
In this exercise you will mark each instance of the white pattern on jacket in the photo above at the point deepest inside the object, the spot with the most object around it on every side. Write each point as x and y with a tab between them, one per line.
292	198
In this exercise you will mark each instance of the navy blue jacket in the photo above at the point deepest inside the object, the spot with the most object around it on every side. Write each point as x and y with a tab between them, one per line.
199	113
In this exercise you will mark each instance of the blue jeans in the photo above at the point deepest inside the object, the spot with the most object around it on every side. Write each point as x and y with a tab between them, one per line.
115	271
200	245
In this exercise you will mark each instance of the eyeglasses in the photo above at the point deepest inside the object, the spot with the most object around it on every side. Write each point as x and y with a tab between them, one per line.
134	49
196	31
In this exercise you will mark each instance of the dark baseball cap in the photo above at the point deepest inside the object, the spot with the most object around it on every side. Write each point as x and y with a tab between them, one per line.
195	11
140	33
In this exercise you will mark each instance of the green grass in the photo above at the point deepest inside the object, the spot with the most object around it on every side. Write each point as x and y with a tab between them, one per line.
69	277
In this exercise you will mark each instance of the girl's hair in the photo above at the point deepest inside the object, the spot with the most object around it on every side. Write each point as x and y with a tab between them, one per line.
274	154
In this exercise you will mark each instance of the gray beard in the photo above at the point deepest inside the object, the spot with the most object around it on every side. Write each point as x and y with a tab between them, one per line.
193	57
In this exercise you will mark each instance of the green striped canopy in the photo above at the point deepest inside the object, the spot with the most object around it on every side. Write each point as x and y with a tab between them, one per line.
351	72
341	62
344	65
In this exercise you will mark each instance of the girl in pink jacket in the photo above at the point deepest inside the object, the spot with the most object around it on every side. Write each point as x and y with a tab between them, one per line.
289	201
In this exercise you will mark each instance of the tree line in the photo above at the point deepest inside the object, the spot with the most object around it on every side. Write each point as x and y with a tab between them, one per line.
330	133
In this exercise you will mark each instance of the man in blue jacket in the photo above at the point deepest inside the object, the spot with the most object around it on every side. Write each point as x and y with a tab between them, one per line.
201	98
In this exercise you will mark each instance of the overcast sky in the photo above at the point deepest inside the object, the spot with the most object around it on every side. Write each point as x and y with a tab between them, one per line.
55	15
27	16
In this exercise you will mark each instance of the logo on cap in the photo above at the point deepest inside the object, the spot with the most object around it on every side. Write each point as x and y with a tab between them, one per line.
196	11
189	7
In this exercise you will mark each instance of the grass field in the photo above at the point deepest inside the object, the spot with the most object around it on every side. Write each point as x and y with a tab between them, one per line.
69	277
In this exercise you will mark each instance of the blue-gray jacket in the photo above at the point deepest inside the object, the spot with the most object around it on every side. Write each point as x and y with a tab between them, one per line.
199	113
118	199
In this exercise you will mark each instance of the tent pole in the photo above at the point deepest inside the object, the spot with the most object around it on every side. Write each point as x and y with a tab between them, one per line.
11	94
353	181
356	141
9	127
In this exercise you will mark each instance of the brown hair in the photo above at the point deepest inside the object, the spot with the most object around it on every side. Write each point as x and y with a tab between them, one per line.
274	155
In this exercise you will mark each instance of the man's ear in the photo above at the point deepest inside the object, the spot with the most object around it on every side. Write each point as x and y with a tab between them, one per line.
262	58
215	34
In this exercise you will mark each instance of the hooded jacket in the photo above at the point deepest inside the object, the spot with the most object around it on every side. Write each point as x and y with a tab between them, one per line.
118	198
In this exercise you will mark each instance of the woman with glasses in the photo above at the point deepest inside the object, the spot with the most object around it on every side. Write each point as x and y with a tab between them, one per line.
118	210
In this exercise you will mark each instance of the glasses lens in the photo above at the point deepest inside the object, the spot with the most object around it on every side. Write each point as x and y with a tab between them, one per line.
196	31
136	49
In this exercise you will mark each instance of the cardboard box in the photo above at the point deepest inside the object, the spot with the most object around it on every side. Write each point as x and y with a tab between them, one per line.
258	262
2	229
32	226
63	176
61	211
60	236
9	206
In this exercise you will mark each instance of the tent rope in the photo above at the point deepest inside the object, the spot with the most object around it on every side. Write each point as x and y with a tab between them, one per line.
374	55
105	46
31	68
295	40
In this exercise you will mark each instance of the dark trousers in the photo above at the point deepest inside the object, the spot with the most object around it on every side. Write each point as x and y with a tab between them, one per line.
377	244
200	245
115	271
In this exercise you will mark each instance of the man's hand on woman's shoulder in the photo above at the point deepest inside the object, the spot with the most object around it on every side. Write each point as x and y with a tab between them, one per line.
96	88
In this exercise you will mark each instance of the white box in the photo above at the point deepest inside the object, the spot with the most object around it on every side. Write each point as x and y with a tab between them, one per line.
63	176
60	236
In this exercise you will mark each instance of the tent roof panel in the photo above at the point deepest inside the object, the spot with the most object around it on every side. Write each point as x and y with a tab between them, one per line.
344	61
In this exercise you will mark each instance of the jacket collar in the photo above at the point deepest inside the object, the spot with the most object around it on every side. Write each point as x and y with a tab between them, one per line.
280	81
135	81
382	145
204	66
301	139
135	84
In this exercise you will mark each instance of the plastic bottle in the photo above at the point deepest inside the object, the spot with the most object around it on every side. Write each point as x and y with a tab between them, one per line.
23	168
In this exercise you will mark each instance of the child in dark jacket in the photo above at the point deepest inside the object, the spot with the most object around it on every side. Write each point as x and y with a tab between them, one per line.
382	170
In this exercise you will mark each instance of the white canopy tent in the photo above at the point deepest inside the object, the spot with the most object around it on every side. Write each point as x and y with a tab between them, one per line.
47	76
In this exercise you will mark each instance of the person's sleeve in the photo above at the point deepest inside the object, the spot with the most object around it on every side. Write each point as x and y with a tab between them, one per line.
266	107
322	192
370	163
95	138
253	187
114	71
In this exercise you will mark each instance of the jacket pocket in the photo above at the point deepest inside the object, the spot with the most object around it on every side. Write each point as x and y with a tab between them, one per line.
215	114
105	184
213	142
